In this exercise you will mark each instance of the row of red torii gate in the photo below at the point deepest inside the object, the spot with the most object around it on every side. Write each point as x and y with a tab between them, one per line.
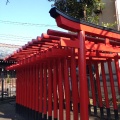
62	75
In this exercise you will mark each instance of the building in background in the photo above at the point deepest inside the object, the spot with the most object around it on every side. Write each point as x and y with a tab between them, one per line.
117	6
111	13
7	78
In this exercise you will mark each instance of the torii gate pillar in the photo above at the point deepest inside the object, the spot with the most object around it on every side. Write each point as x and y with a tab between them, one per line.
84	115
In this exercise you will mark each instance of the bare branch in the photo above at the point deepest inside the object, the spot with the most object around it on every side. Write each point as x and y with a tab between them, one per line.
7	2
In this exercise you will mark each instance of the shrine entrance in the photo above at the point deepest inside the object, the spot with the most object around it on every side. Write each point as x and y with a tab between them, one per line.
69	76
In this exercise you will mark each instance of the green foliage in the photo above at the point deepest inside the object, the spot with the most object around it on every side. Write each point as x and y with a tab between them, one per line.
98	6
86	10
72	8
109	25
93	19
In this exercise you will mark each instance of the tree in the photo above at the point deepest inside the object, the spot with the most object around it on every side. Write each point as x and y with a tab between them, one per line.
88	10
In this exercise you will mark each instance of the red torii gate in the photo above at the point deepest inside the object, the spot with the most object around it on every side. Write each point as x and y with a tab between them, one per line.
46	64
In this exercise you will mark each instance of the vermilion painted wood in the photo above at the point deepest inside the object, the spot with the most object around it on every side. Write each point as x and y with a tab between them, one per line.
89	45
63	84
55	52
61	34
97	55
101	47
72	36
60	89
98	84
105	85
37	87
19	87
69	43
27	90
92	84
112	86
41	89
24	87
97	59
100	54
45	89
34	87
55	90
67	89
76	27
21	95
24	83
74	86
31	89
50	89
83	80
49	37
107	42
117	73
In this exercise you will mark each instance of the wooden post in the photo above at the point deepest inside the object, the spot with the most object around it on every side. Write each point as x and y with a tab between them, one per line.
83	80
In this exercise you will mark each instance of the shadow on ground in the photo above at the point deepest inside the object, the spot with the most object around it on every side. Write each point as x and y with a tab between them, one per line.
7	112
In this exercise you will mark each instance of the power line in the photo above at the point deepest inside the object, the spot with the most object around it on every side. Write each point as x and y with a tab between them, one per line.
9	45
14	36
27	24
11	40
17	39
20	39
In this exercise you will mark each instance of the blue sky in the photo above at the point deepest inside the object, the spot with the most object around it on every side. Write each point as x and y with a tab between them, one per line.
24	11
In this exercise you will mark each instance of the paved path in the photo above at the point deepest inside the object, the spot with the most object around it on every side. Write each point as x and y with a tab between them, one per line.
7	112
